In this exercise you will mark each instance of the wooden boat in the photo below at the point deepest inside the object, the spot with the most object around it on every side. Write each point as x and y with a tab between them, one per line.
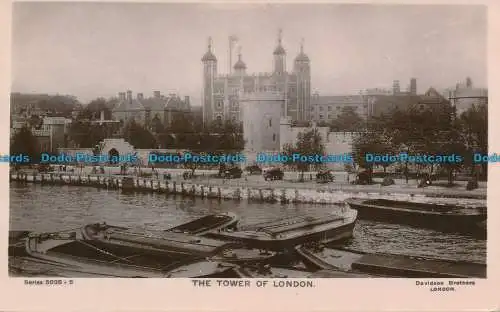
285	234
205	224
73	257
388	265
128	185
17	243
436	216
268	271
106	236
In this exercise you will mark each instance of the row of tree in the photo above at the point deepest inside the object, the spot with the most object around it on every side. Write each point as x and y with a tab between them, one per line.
410	131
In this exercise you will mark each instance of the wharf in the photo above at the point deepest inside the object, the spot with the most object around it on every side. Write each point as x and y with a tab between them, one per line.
281	191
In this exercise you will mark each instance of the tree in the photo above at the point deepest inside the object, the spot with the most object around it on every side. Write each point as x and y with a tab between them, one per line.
308	144
96	106
474	129
86	135
23	142
231	136
157	125
138	136
348	120
371	142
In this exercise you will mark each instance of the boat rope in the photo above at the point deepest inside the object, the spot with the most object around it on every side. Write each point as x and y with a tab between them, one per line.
104	251
125	258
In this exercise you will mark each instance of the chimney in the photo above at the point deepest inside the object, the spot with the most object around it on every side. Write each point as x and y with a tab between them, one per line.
395	87
121	96
157	94
140	96
187	104
413	86
129	95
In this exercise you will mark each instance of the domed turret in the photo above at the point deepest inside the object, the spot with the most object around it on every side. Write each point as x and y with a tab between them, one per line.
302	57
240	65
279	49
209	56
279	57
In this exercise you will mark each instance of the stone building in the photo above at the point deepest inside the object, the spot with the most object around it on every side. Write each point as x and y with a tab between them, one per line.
261	122
464	96
327	108
143	110
220	98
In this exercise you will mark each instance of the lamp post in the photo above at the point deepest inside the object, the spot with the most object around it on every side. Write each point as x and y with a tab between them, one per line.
406	149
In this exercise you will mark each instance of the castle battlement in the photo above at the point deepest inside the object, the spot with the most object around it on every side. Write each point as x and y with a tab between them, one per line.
256	87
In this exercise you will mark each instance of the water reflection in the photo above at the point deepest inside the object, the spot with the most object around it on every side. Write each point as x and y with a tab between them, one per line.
51	208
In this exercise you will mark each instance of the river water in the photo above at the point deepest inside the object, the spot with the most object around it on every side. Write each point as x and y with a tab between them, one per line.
52	208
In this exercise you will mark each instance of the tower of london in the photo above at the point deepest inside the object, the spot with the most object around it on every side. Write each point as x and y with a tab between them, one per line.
221	92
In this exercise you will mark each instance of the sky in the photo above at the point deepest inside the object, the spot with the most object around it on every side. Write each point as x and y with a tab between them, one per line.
92	50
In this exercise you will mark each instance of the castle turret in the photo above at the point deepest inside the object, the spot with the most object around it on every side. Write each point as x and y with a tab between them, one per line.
209	72
279	56
302	69
240	66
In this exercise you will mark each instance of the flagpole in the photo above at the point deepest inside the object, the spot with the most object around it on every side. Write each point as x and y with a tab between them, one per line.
230	54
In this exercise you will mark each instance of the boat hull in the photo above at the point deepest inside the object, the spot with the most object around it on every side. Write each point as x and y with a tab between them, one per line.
331	235
17	243
205	224
61	258
390	265
173	244
471	224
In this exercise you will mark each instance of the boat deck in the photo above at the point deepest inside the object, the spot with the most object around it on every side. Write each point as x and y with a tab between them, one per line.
337	274
292	228
337	259
273	272
427	208
419	266
205	223
290	225
157	239
390	264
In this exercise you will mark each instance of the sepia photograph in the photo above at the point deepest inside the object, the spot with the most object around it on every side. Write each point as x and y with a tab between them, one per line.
235	143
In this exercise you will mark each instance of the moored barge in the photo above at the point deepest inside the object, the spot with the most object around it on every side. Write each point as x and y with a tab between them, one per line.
63	254
107	236
17	243
205	224
285	234
444	217
388	265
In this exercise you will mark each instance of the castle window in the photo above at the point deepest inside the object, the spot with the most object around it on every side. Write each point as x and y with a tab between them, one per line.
219	104
274	137
270	123
329	108
321	117
321	108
